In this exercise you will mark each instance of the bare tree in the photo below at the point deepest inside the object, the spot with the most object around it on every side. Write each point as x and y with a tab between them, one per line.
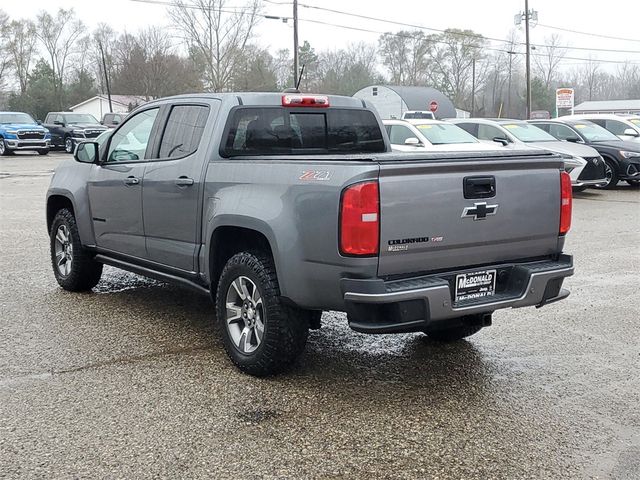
216	34
5	56
59	36
405	56
589	73
547	58
21	45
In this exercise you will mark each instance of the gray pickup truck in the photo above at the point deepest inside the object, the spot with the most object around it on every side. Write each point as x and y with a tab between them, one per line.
280	206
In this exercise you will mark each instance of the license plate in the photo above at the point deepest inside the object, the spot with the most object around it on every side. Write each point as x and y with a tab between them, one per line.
475	285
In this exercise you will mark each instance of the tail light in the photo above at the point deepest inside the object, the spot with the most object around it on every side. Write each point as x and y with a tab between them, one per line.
566	201
360	219
305	101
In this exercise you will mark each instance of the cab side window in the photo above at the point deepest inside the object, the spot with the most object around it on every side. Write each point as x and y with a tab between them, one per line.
129	143
562	132
183	131
399	134
489	132
616	127
471	128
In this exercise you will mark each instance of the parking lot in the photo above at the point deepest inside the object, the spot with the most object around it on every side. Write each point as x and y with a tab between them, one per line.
129	381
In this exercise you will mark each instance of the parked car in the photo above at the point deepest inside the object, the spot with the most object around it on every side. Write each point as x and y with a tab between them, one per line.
416	135
584	164
622	159
281	206
68	128
112	120
418	115
19	131
625	128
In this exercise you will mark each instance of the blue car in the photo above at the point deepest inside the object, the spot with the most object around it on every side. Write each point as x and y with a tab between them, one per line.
19	131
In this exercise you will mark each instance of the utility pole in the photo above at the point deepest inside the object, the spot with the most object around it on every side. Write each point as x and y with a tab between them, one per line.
510	52
296	66
527	16
473	87
106	75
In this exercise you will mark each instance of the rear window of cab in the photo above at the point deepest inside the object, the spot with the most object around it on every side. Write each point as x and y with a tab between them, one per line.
279	130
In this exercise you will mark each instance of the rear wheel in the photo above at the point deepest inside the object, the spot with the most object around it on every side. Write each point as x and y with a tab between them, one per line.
261	334
611	175
73	266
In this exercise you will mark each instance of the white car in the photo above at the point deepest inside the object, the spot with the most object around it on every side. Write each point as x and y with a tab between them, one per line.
518	133
431	135
624	127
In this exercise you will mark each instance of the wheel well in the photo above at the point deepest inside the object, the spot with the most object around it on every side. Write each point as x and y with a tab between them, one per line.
55	204
226	242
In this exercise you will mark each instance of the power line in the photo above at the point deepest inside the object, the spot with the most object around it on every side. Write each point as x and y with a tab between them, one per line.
591	34
462	34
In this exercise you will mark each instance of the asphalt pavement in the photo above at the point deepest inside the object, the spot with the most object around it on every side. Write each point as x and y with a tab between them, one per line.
130	381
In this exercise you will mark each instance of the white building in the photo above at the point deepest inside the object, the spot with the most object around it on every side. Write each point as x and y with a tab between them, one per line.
99	105
608	106
391	101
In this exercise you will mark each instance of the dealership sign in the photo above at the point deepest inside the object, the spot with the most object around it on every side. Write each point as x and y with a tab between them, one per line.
564	98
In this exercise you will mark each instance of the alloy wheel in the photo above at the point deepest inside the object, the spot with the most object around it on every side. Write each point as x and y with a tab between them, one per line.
2	147
68	145
245	315
63	247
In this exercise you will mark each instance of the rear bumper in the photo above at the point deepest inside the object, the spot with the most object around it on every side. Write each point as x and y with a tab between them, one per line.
376	306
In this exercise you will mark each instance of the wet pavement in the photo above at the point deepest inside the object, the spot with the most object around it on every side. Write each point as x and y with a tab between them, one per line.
130	381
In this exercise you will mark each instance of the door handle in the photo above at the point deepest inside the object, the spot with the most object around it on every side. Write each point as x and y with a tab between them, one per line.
479	187
131	181
184	181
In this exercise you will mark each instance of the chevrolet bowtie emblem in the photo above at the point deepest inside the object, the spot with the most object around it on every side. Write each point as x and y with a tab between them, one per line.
479	211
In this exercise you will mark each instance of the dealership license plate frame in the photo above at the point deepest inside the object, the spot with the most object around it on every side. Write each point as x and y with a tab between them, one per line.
481	288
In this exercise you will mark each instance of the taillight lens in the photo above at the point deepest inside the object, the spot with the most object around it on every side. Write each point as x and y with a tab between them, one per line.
565	202
360	219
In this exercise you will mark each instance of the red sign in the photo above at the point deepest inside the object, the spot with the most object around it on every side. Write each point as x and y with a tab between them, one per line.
433	106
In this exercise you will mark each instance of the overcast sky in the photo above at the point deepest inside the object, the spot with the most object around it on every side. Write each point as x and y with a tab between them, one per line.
492	18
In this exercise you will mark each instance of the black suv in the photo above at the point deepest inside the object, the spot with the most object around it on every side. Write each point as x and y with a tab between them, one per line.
69	128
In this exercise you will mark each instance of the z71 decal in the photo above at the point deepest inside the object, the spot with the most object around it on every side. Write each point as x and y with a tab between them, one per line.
315	175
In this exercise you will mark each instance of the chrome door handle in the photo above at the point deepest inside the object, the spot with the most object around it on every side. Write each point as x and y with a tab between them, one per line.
184	181
131	181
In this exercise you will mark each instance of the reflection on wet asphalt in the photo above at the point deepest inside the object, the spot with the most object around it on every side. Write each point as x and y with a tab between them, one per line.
130	381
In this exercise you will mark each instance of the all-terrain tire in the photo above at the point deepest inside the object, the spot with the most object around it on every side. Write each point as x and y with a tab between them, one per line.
453	334
285	329
83	272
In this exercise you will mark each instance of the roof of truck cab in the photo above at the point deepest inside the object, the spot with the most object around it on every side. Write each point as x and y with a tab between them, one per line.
262	98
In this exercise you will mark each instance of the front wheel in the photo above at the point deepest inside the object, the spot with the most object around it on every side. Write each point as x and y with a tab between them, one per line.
261	335
68	145
43	152
4	151
634	183
73	266
611	175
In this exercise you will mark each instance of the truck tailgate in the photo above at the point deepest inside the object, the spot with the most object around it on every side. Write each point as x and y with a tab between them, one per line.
427	224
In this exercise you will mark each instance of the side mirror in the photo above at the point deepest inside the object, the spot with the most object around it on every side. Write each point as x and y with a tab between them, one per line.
501	140
573	139
115	122
58	122
39	122
413	141
631	132
87	152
